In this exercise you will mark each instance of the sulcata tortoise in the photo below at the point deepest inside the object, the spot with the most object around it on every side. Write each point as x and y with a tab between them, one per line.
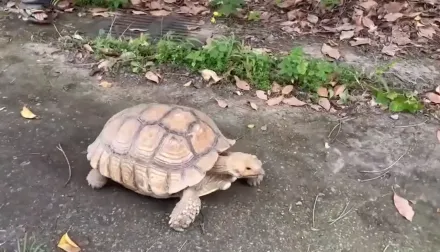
165	151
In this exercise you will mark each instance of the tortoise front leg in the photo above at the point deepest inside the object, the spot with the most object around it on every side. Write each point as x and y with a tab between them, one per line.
186	210
95	179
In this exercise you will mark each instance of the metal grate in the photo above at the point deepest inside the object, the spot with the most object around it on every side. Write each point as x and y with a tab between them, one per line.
158	27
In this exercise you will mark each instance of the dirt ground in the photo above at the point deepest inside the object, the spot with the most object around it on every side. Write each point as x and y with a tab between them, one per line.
276	216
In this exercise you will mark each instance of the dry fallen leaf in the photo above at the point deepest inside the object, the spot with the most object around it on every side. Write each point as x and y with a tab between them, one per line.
26	113
367	22
275	100
106	64
209	74
330	51
253	105
346	35
136	12
105	84
315	107
368	5
160	13
241	84
322	91
437	89
391	17
339	89
403	207
312	18
433	97
393	7
187	84
67	244
276	88
325	103
221	103
293	101
88	47
287	90
261	94
426	32
251	126
390	49
152	76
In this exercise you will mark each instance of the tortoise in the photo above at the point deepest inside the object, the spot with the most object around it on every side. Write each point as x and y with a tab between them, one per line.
169	151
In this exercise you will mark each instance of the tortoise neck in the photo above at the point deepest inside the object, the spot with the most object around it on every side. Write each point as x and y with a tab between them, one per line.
221	165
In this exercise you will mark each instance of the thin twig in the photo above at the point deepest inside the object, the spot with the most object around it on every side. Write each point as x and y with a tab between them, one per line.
339	124
56	29
313	212
67	161
341	215
383	171
411	125
122	34
111	27
374	178
182	246
385	249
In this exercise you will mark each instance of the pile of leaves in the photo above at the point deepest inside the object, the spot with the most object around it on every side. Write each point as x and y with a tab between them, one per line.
388	25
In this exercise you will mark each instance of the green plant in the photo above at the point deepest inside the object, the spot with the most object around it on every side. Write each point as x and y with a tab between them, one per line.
398	102
227	7
330	4
29	245
254	16
112	4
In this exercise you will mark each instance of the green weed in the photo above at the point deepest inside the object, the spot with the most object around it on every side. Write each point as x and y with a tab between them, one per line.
29	244
227	7
112	4
228	57
330	4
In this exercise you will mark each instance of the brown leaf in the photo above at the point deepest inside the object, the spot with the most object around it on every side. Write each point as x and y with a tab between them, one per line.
339	89
293	101
209	74
433	97
325	103
155	5
88	48
346	27
288	3
160	13
222	103
152	76
187	84
360	41
136	2
367	22
368	5
393	7
105	84
399	37
275	100
437	89
276	88
403	207
391	17
169	1
261	94
107	64
253	105
390	49
315	107
136	12
346	35
426	32
330	51
69	10
322	91
287	90
312	18
241	84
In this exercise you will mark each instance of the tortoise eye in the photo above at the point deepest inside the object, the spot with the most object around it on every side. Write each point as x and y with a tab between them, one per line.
248	168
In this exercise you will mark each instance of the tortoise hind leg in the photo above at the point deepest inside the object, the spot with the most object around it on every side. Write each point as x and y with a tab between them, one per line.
186	210
95	179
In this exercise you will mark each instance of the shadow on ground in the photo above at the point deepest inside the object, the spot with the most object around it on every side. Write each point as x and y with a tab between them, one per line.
277	216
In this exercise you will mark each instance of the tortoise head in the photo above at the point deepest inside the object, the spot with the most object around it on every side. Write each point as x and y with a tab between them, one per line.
244	165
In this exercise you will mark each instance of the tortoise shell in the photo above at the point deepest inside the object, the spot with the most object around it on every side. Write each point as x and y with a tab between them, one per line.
157	149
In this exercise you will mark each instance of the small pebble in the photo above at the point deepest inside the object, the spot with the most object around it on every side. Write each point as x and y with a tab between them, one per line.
395	116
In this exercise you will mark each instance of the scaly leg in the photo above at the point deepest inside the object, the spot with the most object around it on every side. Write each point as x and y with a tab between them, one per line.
186	210
255	181
95	179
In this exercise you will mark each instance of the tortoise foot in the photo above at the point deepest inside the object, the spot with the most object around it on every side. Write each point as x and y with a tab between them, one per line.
95	179
255	181
185	211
